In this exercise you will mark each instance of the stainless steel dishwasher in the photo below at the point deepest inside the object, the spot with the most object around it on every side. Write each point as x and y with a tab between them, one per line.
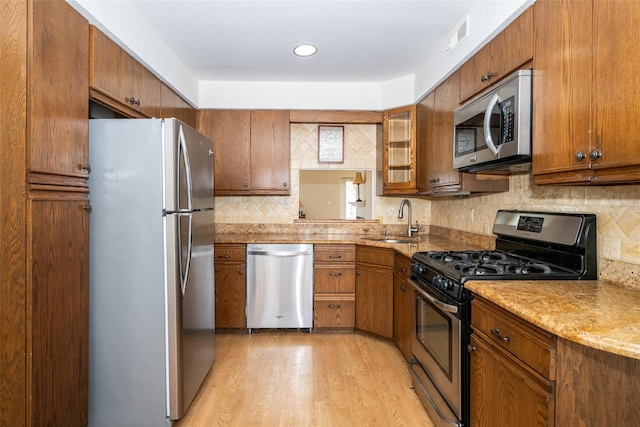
279	286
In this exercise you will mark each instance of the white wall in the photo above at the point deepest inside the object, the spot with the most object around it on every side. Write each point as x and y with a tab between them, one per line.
121	21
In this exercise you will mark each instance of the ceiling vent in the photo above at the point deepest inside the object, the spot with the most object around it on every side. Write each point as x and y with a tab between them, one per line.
459	34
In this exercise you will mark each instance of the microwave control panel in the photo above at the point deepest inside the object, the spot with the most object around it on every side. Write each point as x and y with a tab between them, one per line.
508	120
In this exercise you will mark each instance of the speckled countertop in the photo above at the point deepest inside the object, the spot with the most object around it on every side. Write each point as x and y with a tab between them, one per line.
598	314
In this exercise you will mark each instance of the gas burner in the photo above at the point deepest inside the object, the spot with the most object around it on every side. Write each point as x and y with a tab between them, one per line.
527	268
447	257
487	257
479	269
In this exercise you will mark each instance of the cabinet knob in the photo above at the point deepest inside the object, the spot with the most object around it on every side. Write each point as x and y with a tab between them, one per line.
133	101
88	207
357	273
403	288
240	272
246	184
580	156
595	155
470	348
285	185
86	167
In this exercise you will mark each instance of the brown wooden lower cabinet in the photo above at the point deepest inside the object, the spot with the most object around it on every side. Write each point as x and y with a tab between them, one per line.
374	290
402	305
334	287
230	286
58	303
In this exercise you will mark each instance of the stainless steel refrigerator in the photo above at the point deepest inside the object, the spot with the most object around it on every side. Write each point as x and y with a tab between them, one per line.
151	282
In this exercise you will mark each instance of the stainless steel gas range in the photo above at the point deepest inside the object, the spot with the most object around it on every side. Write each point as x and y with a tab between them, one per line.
529	246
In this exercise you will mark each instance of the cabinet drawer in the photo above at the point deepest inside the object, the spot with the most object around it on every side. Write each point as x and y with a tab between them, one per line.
402	265
378	256
334	253
334	311
334	278
532	345
230	252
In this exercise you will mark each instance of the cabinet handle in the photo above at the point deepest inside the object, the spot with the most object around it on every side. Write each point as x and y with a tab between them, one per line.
496	332
470	348
335	256
335	274
86	167
285	185
88	207
134	101
224	256
595	155
404	270
580	156
334	305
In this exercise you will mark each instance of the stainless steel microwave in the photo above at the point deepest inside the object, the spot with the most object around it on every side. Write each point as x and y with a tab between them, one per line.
492	132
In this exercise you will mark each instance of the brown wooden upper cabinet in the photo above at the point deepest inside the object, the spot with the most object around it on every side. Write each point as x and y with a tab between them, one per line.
58	110
252	150
172	105
119	81
507	52
585	93
399	151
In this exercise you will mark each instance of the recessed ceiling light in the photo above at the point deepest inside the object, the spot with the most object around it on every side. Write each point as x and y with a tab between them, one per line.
305	50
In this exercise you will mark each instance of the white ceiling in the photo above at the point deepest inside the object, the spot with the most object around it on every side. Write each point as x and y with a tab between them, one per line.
253	40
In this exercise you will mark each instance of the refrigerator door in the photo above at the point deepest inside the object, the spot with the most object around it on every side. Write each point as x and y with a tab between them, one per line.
189	167
191	316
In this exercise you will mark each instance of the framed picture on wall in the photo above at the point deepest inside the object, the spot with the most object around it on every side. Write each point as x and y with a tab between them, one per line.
330	144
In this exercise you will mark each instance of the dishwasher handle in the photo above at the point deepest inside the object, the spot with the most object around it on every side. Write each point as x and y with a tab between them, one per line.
279	253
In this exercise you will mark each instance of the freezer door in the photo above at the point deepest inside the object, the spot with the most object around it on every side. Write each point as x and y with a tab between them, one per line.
190	301
189	168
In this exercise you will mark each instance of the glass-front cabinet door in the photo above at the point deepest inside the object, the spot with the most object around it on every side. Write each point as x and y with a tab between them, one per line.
399	151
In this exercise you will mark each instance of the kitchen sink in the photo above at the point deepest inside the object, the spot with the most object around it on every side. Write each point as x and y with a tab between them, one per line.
395	239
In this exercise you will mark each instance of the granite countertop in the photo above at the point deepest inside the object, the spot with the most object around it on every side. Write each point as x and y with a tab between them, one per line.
598	314
426	242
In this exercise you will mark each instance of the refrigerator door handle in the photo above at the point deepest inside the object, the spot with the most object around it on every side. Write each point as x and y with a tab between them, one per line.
184	156
184	269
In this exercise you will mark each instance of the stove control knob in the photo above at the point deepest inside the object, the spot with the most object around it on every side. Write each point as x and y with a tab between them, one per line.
419	269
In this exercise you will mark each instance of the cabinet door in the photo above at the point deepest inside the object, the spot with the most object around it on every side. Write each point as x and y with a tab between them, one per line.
441	163
425	122
616	89
563	61
399	150
58	232
230	131
172	105
146	90
58	108
270	152
512	47
374	299
402	308
504	393
474	73
230	295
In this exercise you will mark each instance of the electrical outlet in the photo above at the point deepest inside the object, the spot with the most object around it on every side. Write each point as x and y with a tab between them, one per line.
471	215
286	202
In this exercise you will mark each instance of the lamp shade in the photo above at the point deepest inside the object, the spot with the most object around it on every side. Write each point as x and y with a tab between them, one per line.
358	179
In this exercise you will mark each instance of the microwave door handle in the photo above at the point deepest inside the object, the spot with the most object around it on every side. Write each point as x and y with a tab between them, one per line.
487	125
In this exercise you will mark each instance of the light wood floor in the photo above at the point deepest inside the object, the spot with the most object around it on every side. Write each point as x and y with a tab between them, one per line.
301	379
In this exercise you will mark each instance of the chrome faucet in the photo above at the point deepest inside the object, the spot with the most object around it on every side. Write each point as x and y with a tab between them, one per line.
410	229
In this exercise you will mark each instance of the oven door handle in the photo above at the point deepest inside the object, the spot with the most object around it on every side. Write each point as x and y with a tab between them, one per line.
441	305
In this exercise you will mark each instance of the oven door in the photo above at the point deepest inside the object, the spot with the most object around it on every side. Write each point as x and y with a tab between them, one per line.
436	345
